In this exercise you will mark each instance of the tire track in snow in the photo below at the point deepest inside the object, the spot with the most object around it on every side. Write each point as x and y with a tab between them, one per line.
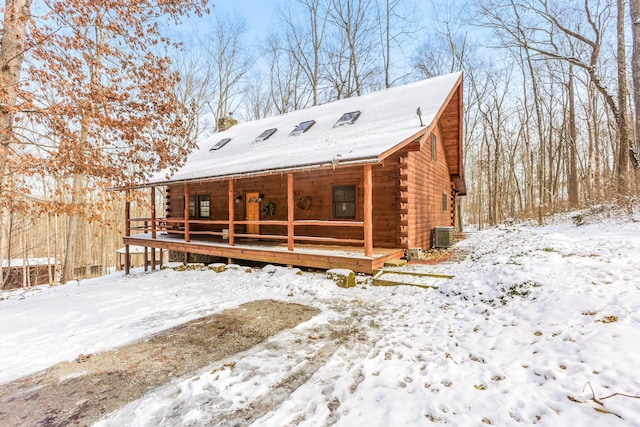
251	385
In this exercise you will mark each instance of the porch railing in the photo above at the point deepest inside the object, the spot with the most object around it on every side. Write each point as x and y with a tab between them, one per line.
177	226
183	225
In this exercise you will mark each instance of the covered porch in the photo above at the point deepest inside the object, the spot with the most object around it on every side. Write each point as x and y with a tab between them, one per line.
318	243
323	256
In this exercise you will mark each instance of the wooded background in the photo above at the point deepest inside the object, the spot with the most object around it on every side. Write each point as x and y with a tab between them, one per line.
97	95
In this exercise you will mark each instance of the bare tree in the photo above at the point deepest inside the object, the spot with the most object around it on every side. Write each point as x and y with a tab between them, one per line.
304	36
288	88
550	31
228	62
396	25
354	28
634	6
623	92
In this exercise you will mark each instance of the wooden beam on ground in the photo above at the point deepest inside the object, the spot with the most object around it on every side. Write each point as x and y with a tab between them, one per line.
232	211
368	211
290	212
186	212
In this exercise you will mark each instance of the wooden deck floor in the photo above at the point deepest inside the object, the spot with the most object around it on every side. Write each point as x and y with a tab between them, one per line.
304	255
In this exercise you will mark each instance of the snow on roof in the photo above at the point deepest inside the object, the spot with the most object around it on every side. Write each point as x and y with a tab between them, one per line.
134	249
19	262
388	118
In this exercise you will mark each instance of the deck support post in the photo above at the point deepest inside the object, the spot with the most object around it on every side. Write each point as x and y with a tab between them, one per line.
290	212
368	211
232	201
153	227
187	238
127	232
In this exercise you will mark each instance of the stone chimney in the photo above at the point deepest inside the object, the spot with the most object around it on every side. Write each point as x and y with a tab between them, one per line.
226	122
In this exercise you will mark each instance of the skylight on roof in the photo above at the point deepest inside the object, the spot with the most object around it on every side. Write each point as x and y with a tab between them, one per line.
220	144
302	128
265	135
347	119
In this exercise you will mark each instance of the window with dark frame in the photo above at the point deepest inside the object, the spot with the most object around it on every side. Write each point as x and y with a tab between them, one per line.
192	207
445	202
200	206
434	148
344	202
204	206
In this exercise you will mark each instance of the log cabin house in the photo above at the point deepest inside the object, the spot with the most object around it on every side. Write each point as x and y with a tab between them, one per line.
347	184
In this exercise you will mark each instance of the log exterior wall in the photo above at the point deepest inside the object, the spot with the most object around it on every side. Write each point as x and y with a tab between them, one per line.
408	191
427	182
316	187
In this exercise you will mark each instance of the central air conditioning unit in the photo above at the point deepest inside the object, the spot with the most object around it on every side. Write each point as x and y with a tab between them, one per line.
442	237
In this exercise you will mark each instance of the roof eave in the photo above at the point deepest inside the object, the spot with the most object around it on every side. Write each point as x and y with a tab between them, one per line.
259	173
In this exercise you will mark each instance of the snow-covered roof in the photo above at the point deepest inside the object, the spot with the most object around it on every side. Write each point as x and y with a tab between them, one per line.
19	262
134	249
388	119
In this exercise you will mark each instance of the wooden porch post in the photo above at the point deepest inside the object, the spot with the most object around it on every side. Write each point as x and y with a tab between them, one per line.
153	212
187	238
153	227
146	258
290	212
368	211
127	232
232	211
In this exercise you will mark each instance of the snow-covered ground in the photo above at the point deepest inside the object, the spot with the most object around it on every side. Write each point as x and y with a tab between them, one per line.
541	325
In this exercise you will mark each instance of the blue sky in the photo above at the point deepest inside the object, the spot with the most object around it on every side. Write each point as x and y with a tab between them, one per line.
259	14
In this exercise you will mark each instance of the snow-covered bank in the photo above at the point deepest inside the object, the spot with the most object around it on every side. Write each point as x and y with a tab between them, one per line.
539	326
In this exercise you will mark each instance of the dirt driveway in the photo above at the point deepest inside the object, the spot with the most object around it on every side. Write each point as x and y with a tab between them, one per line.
81	392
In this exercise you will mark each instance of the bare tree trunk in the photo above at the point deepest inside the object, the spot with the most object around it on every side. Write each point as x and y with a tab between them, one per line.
541	142
16	17
572	182
634	6
73	232
623	123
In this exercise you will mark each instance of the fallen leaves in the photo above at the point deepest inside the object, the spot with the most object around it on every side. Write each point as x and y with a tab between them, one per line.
608	319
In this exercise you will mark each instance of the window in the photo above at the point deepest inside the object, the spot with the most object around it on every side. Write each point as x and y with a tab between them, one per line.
445	202
434	148
200	206
347	119
344	202
204	205
192	206
302	128
220	144
265	135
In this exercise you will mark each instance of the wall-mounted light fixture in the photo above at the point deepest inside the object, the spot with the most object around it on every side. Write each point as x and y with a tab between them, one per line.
238	199
260	197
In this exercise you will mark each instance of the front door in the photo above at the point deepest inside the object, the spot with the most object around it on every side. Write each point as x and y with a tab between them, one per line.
252	209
